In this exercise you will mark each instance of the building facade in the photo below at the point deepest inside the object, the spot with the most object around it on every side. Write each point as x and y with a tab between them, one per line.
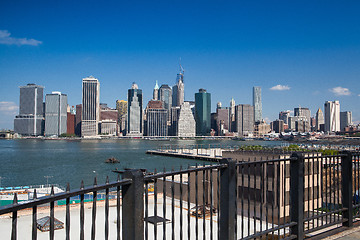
257	104
186	126
284	115
55	114
165	95
122	108
332	116
156	91
345	120
135	111
30	121
203	112
90	107
156	119
319	118
244	119
178	90
303	114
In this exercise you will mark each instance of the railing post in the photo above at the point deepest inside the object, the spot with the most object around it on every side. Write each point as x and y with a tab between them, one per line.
297	194
346	179
133	206
227	199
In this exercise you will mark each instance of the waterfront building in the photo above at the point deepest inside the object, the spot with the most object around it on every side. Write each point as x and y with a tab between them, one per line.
55	114
345	120
135	111
284	115
70	123
178	89
30	121
277	126
175	111
156	119
122	108
203	112
257	103
165	95
222	120
332	116
261	128
232	127
90	107
186	126
304	114
319	118
156	91
78	120
108	120
244	119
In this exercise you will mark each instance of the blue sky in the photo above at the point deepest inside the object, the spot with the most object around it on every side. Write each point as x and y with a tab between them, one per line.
310	50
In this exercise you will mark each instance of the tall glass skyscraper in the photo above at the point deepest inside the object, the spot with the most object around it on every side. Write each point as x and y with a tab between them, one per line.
90	116
203	112
178	89
55	114
135	114
257	103
30	120
165	95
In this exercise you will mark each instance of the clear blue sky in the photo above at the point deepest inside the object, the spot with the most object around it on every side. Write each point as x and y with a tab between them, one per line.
311	49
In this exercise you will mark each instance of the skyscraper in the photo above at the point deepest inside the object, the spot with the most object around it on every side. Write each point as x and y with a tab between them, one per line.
30	120
55	114
304	115
203	112
257	103
345	120
156	91
178	89
122	108
232	127
244	118
166	97
186	126
332	116
319	120
135	114
284	115
90	107
156	119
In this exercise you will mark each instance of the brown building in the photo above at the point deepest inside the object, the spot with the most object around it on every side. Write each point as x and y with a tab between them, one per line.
222	121
70	123
78	120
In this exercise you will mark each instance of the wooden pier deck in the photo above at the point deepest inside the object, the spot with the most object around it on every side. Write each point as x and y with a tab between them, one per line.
212	154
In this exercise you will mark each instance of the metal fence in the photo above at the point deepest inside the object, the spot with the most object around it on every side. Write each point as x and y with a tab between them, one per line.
285	198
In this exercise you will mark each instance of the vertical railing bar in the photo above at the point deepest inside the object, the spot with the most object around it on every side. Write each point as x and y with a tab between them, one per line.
273	200
211	204
278	196
255	193
172	206
326	187
334	177
266	196
284	203
338	185
188	204
93	227
14	220
196	204
262	172
34	217
52	205
218	203
236	200
242	200
82	212
146	210
118	223
67	222
107	210
322	186
164	205
248	197
155	205
313	191
204	204
181	204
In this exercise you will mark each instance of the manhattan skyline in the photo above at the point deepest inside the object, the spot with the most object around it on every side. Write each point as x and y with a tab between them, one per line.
300	54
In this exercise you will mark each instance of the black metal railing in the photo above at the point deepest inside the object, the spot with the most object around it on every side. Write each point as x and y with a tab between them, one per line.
289	197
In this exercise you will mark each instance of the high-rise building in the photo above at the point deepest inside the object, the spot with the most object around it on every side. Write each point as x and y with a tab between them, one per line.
345	120
156	119
122	108
203	112
257	104
55	114
319	126
232	126
244	118
277	126
186	126
284	115
78	119
165	95
222	120
178	90
156	91
303	114
332	116
90	107
30	120
108	120
135	111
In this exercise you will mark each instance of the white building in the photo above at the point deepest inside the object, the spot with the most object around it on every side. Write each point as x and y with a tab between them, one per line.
186	126
90	107
55	114
332	116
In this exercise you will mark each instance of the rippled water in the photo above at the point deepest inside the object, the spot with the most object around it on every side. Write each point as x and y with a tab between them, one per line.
28	161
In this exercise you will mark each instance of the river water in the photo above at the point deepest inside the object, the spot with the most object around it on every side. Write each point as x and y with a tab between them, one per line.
28	161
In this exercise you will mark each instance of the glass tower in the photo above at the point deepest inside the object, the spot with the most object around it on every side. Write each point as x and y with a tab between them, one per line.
203	112
257	103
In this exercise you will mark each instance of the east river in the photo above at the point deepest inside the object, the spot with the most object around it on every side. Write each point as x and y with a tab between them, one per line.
25	162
